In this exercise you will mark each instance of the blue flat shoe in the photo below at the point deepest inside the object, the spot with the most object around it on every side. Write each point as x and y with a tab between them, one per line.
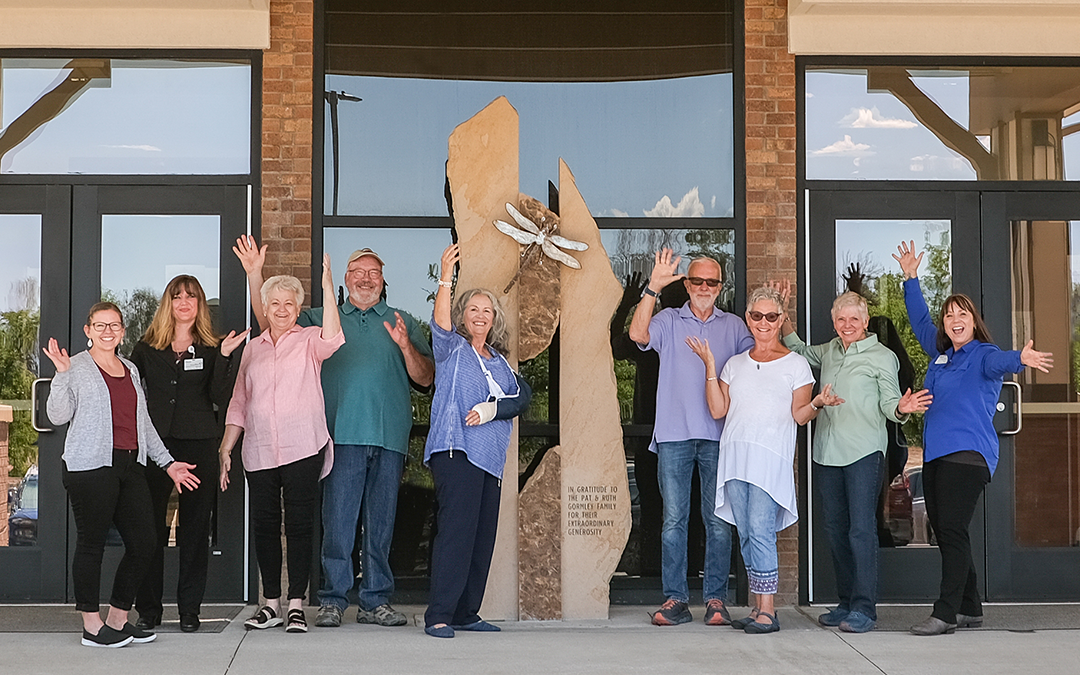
439	631
857	622
480	626
833	617
756	628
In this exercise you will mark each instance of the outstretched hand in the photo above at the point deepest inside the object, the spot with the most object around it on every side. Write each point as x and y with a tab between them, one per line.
665	270
854	278
826	398
701	348
230	342
58	356
450	257
632	289
399	332
181	475
783	287
1044	361
251	256
909	262
915	402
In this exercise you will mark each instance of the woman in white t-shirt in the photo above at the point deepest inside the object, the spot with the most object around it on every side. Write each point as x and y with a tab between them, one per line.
764	393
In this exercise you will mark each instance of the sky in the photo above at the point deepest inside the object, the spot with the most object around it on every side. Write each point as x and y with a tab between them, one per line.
148	251
20	256
148	117
662	147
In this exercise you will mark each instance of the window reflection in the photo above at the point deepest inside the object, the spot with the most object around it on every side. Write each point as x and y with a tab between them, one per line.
141	253
20	283
865	265
892	122
657	148
124	116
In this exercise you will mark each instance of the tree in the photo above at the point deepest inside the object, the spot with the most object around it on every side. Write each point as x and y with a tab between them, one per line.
18	368
138	307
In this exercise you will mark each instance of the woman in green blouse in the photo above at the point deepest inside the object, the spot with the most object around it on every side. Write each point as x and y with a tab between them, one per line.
849	450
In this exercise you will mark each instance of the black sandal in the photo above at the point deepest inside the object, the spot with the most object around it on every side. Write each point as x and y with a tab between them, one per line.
264	618
297	622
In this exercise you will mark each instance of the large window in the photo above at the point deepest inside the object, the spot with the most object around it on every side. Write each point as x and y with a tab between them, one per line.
935	123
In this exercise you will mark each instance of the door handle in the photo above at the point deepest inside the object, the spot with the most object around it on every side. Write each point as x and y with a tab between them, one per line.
34	405
1019	409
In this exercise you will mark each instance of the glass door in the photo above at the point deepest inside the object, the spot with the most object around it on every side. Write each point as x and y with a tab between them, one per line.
35	228
1031	291
127	242
851	237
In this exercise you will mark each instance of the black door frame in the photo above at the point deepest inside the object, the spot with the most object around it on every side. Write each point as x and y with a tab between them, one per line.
36	573
905	574
1017	573
232	573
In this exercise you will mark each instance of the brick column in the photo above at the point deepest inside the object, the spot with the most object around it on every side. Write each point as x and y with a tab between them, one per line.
770	186
286	140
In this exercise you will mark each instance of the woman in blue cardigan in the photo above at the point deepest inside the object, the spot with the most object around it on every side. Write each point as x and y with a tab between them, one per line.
960	449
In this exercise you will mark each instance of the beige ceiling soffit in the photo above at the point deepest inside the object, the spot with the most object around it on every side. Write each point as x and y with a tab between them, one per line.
135	24
931	27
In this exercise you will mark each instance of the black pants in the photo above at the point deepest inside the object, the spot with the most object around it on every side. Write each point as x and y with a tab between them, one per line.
192	530
468	517
110	495
297	484
952	489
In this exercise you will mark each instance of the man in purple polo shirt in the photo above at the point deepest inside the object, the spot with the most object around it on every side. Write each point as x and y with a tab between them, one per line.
685	432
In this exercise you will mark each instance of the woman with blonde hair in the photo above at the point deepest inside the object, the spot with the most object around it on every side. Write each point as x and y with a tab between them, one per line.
188	374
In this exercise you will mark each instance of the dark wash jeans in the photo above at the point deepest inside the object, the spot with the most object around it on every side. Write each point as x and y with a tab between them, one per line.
192	530
952	490
468	517
849	497
99	498
297	484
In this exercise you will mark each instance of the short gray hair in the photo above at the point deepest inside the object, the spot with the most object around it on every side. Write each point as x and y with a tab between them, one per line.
284	282
850	299
765	293
705	258
499	336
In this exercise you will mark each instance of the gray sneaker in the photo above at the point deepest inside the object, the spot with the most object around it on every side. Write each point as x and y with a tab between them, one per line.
329	616
384	615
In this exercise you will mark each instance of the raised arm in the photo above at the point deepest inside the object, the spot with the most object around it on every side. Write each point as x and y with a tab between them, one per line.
918	313
252	257
663	273
450	258
716	392
331	318
420	368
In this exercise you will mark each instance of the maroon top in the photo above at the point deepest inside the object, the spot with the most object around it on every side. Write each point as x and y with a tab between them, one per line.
125	430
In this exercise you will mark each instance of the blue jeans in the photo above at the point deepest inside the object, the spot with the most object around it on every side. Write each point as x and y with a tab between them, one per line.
755	517
849	497
676	469
368	476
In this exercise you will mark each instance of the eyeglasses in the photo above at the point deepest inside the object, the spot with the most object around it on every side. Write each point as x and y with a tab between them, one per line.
115	327
770	317
374	274
697	281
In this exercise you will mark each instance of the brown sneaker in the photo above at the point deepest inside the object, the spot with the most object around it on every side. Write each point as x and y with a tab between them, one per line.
716	614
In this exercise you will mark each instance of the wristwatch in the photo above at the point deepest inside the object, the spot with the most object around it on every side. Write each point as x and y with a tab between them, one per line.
649	291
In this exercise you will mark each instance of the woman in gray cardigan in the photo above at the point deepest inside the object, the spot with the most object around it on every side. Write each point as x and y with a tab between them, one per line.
108	440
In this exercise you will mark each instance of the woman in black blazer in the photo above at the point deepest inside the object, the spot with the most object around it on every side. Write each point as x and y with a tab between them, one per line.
186	371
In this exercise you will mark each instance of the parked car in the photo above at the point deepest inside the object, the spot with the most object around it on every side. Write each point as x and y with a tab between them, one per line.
23	515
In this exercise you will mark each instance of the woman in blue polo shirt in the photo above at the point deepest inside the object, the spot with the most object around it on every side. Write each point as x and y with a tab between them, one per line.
960	445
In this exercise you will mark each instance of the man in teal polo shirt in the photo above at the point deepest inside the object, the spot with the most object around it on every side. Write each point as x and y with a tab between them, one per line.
369	414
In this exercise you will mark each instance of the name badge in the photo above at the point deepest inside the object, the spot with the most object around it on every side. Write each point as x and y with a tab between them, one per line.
193	364
941	359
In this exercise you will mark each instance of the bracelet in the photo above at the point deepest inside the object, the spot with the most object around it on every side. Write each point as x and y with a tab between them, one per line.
710	379
649	291
445	284
814	407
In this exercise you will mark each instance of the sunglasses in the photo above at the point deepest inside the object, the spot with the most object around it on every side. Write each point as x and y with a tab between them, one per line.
697	281
770	317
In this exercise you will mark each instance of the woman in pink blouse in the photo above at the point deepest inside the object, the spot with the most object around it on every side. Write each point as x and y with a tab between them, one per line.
278	404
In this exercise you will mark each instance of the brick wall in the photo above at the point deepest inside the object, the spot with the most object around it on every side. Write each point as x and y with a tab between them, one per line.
770	186
286	140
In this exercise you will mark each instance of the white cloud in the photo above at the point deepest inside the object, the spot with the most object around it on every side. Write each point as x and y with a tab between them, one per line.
146	148
689	206
845	148
809	95
616	213
712	203
935	162
870	118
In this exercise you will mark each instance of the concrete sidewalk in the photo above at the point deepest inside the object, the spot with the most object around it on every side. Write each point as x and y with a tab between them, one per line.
625	644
